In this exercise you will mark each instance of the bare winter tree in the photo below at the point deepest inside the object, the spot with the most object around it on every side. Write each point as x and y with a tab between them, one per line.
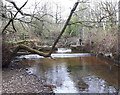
14	17
102	13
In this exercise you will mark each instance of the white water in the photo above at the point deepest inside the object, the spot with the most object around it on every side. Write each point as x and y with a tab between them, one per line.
64	50
70	55
61	53
56	55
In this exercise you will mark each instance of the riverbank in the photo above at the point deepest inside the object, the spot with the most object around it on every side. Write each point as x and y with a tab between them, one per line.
19	81
108	56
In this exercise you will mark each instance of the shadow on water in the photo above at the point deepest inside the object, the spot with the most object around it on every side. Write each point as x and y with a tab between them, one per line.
79	74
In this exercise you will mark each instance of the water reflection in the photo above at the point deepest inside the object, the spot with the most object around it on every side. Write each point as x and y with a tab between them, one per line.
77	75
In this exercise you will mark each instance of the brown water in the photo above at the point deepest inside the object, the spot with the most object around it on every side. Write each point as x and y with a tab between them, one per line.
76	73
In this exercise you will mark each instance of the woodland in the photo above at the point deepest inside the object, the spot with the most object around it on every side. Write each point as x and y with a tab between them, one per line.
93	29
50	48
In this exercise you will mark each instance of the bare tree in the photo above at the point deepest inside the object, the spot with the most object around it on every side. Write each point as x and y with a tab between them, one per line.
13	17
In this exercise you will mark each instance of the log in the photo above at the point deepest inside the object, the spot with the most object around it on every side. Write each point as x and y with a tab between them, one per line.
22	53
33	51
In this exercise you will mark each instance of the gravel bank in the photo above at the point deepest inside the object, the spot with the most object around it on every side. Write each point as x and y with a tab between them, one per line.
18	81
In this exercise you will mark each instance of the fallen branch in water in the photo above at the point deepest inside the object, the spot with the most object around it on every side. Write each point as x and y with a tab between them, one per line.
33	51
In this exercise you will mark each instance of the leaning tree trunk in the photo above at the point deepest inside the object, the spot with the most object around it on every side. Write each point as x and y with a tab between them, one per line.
63	30
33	51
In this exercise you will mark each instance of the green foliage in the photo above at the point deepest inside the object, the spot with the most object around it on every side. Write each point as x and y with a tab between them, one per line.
9	42
111	24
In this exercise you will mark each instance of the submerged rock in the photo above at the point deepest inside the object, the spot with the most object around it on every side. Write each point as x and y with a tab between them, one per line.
50	86
82	85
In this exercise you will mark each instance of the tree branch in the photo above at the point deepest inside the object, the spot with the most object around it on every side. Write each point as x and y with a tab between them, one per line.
13	26
13	17
16	5
81	22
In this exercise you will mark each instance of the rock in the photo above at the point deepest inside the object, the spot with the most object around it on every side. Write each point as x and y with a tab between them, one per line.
76	47
100	54
50	86
108	55
82	85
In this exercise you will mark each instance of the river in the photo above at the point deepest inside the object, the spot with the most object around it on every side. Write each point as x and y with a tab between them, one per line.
71	72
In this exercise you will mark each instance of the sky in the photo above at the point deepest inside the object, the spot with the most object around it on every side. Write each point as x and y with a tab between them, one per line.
66	5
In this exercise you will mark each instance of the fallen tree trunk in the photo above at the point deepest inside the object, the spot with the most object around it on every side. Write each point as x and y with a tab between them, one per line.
33	51
22	53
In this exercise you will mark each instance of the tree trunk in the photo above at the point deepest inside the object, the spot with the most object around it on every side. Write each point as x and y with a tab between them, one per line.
119	32
63	30
33	51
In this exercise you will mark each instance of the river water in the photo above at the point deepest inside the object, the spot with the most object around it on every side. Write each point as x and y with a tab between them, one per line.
74	72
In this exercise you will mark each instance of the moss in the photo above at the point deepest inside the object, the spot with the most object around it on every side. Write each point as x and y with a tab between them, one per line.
9	42
34	51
